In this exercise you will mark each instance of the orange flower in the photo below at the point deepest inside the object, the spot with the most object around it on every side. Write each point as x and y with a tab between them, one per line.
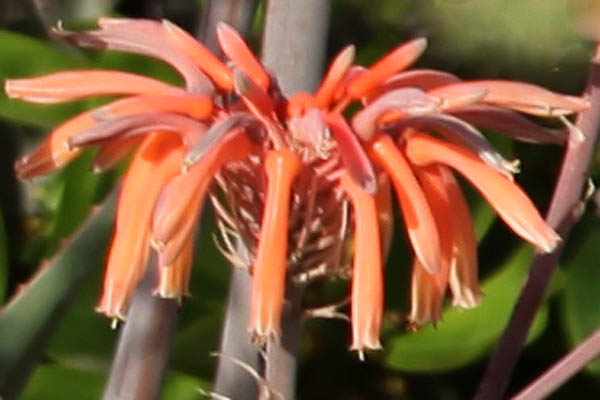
297	184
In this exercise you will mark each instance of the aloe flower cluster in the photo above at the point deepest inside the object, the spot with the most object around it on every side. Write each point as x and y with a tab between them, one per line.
302	189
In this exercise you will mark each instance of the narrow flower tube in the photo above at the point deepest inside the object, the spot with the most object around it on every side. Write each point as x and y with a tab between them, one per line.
424	79
426	295
367	271
158	160
509	200
180	203
401	102
457	95
355	159
173	279
385	214
61	87
114	152
464	279
427	290
459	132
334	77
419	220
236	49
268	280
509	123
194	106
141	37
394	62
520	96
57	149
54	152
459	245
202	56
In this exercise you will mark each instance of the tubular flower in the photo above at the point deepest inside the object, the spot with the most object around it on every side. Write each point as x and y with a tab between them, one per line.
301	191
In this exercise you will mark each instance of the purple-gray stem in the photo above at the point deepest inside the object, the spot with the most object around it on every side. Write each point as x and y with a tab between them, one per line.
144	343
564	369
294	46
565	210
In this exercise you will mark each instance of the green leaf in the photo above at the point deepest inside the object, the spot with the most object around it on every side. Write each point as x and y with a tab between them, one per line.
29	320
3	259
580	306
85	340
56	382
182	387
80	186
52	382
23	56
466	335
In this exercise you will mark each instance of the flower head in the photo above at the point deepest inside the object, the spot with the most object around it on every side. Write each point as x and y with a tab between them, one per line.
300	190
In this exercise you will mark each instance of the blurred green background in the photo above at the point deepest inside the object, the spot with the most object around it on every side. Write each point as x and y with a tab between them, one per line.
532	40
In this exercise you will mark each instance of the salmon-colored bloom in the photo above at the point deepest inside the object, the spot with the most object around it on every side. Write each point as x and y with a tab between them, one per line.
300	191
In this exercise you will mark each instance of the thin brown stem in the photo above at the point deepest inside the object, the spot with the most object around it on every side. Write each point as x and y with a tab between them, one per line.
564	212
564	369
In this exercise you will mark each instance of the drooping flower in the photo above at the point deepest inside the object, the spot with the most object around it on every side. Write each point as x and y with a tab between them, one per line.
300	190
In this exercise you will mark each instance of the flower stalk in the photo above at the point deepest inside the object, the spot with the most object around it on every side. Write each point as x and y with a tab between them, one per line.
563	214
286	47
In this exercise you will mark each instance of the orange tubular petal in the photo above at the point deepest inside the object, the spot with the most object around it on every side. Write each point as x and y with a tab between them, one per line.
203	57
509	200
173	279
419	221
159	158
426	295
67	86
54	152
300	103
236	49
114	152
255	97
394	62
457	95
195	106
521	96
459	246
424	79
464	281
427	291
385	213
268	281
367	272
334	77
178	209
